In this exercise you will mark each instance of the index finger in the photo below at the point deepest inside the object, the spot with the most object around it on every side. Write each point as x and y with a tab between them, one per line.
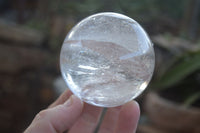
62	98
128	118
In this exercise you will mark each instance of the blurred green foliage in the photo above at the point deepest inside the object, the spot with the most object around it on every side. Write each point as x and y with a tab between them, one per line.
132	8
38	25
182	77
181	68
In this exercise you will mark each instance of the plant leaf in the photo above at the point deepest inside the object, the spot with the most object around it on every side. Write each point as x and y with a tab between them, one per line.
191	99
187	65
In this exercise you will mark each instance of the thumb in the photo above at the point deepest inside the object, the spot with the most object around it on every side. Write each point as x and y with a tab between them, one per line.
57	119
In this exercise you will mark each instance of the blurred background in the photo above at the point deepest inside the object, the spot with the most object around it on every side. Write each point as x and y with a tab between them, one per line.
31	35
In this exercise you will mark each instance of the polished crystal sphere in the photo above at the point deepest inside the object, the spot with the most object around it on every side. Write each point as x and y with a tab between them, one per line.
107	59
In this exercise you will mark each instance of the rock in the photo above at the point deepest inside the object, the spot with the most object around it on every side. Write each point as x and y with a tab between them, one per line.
13	58
170	116
149	129
20	35
174	44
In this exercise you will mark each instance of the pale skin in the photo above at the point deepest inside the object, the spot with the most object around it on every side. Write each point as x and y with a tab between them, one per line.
69	113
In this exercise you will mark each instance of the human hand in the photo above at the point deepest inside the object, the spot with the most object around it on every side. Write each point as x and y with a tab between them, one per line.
68	113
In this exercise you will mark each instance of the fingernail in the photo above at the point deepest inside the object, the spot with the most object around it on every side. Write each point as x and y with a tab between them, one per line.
69	101
136	103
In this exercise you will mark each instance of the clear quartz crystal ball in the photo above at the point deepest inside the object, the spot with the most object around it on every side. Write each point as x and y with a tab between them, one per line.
107	59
